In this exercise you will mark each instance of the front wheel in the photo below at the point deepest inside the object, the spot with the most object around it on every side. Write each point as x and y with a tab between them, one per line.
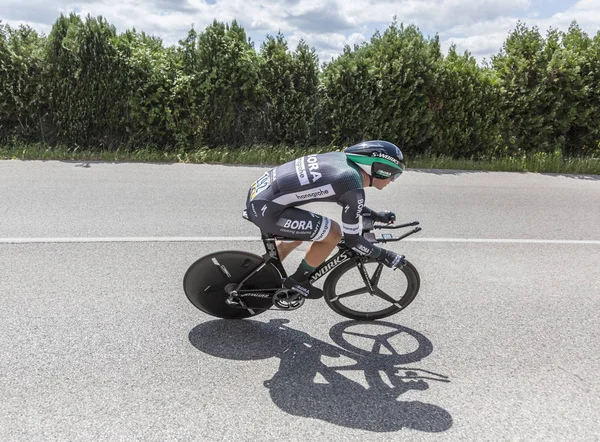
347	294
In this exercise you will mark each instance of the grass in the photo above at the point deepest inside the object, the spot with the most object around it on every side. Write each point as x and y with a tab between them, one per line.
539	163
273	155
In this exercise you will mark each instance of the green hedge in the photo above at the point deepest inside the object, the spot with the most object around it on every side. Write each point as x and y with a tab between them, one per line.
86	86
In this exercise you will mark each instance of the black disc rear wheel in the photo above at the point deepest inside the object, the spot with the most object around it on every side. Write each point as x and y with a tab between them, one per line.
347	294
204	284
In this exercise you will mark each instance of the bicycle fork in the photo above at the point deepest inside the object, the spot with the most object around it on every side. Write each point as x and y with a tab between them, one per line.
365	276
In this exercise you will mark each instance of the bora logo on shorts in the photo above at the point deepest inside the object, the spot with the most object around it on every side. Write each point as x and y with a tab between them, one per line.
296	225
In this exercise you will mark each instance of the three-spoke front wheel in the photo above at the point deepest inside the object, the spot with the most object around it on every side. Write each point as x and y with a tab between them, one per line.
347	293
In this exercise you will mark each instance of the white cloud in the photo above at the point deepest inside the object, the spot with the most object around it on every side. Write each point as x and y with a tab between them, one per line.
480	46
485	38
39	27
330	45
356	38
435	14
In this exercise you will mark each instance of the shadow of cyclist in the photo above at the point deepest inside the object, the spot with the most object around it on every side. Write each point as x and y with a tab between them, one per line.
334	398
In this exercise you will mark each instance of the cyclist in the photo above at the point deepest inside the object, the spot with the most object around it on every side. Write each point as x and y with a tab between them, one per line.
338	177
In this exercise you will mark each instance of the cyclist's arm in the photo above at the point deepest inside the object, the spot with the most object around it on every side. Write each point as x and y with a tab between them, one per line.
367	211
384	216
353	205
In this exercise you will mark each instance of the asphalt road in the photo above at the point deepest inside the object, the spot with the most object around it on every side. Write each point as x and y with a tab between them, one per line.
99	342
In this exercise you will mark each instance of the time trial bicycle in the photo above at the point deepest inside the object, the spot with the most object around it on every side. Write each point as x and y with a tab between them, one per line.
238	284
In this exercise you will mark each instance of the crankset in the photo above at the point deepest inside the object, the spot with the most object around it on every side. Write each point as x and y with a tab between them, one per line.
286	299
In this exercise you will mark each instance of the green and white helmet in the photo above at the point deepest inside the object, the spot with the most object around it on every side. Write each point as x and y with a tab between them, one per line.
379	159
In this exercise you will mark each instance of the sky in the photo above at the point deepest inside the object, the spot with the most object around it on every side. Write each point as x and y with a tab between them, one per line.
477	26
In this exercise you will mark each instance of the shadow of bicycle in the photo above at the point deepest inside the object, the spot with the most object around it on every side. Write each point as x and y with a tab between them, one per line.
358	386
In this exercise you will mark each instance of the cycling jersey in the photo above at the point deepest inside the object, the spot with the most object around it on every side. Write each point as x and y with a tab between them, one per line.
273	199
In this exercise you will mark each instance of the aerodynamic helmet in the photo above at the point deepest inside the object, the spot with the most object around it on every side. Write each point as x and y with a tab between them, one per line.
379	159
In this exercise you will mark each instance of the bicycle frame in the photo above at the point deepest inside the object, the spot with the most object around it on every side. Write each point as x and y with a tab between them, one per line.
272	256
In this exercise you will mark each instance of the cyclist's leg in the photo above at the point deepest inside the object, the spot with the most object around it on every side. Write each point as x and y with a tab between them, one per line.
292	223
300	225
284	248
318	251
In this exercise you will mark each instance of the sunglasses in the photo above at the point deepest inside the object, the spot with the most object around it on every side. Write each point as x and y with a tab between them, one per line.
396	176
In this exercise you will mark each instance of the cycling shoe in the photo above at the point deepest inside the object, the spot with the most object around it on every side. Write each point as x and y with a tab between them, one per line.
305	288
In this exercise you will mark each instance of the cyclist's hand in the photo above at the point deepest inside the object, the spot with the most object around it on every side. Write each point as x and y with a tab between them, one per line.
392	259
384	217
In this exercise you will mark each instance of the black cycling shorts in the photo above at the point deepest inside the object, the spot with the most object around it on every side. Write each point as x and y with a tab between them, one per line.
290	222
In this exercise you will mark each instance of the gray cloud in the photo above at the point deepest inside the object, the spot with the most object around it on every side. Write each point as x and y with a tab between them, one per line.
37	12
467	13
174	5
324	19
47	12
